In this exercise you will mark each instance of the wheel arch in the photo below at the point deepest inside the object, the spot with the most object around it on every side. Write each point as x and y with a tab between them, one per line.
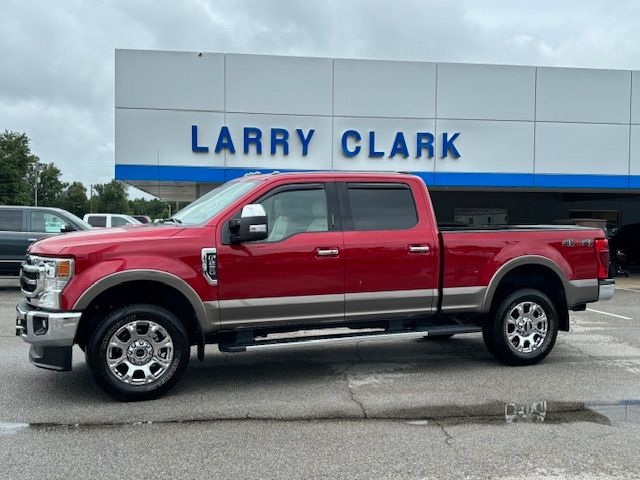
531	271
138	286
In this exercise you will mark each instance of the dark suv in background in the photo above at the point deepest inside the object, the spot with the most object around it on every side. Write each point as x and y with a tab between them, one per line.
21	226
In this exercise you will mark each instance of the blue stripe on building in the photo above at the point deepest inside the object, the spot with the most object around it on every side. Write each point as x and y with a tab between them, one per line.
441	179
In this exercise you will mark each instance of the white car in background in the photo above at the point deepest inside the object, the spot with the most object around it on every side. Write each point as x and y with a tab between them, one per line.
108	220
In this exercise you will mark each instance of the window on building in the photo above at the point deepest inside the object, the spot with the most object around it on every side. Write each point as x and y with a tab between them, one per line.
382	206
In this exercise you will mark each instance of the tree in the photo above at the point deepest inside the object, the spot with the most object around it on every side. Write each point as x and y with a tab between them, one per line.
110	198
74	199
50	188
154	208
17	165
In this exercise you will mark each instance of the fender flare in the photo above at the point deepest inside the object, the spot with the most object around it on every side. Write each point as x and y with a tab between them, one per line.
519	262
173	281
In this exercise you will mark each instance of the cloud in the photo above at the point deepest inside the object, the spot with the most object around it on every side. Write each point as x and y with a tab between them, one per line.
57	62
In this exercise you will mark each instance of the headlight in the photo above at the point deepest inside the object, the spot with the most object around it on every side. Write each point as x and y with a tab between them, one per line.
50	276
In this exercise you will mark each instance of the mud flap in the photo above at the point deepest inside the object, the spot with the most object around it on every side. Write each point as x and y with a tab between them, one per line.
51	358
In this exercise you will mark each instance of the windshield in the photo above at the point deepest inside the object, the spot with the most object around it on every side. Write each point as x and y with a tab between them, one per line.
213	202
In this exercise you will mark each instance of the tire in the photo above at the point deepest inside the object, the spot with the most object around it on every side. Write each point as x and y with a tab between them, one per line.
521	315
138	352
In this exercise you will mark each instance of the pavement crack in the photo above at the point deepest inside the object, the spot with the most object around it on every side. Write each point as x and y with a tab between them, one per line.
352	393
355	400
448	438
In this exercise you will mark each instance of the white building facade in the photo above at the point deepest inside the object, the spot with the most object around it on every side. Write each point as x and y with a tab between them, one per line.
186	121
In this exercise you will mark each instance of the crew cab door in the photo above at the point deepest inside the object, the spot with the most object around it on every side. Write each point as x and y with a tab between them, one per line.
390	250
297	273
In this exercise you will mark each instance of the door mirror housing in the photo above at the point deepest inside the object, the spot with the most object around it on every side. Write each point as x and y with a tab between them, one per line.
66	228
251	226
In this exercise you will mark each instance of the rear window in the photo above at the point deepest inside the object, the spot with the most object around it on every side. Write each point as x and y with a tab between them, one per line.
97	221
382	206
11	220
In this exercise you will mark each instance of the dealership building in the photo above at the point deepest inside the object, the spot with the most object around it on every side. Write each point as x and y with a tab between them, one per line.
495	144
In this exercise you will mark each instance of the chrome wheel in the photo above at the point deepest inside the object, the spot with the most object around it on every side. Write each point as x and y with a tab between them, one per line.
139	352
526	327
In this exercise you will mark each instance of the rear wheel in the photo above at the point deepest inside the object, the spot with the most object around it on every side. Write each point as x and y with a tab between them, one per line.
523	329
138	352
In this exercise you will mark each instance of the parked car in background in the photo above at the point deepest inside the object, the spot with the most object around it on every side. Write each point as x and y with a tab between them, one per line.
625	245
21	226
142	218
108	220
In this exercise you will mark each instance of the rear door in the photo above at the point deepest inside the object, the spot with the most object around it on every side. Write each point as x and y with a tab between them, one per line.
297	273
13	244
390	251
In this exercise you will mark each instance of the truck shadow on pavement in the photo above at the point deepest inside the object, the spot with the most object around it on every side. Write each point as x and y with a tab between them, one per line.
294	368
392	379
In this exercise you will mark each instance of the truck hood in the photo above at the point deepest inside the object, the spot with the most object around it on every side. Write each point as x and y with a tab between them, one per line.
76	242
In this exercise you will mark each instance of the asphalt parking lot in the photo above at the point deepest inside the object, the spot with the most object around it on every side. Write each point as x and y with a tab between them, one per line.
393	409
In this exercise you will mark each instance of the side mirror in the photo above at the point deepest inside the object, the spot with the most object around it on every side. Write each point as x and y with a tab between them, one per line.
67	228
251	226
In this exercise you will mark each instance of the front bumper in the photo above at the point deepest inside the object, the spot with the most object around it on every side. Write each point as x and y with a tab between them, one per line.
606	289
50	334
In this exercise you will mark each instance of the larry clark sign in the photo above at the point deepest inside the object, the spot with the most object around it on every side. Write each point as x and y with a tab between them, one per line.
353	143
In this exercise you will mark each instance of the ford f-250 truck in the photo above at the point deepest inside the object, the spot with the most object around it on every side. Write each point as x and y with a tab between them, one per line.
358	254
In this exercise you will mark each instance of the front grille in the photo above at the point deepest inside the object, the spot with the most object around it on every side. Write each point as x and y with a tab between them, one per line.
30	275
27	284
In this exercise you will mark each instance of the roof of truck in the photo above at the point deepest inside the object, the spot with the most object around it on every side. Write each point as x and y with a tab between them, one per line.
325	174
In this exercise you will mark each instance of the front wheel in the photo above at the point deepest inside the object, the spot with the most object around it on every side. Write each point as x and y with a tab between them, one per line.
138	352
524	328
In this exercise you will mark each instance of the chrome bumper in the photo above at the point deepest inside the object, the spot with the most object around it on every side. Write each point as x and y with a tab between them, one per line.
46	329
606	289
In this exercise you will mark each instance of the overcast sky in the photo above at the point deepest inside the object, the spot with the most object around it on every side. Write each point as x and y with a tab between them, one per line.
57	57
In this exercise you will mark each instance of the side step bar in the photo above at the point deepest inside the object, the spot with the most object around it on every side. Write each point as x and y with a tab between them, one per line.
343	337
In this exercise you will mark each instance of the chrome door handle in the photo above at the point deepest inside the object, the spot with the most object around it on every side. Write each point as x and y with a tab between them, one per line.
419	249
32	239
327	252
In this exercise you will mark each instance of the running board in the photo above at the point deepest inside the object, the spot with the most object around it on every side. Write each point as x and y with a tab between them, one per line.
345	337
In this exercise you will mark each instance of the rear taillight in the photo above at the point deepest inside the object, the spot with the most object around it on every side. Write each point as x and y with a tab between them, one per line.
602	255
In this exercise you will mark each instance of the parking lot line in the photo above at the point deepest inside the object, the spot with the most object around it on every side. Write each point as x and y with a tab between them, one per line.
610	314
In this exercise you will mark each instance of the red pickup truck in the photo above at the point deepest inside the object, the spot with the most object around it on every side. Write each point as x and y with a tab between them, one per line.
358	255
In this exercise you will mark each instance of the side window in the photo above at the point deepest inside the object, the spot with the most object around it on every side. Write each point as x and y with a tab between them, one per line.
46	222
11	220
97	221
296	211
118	221
382	206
